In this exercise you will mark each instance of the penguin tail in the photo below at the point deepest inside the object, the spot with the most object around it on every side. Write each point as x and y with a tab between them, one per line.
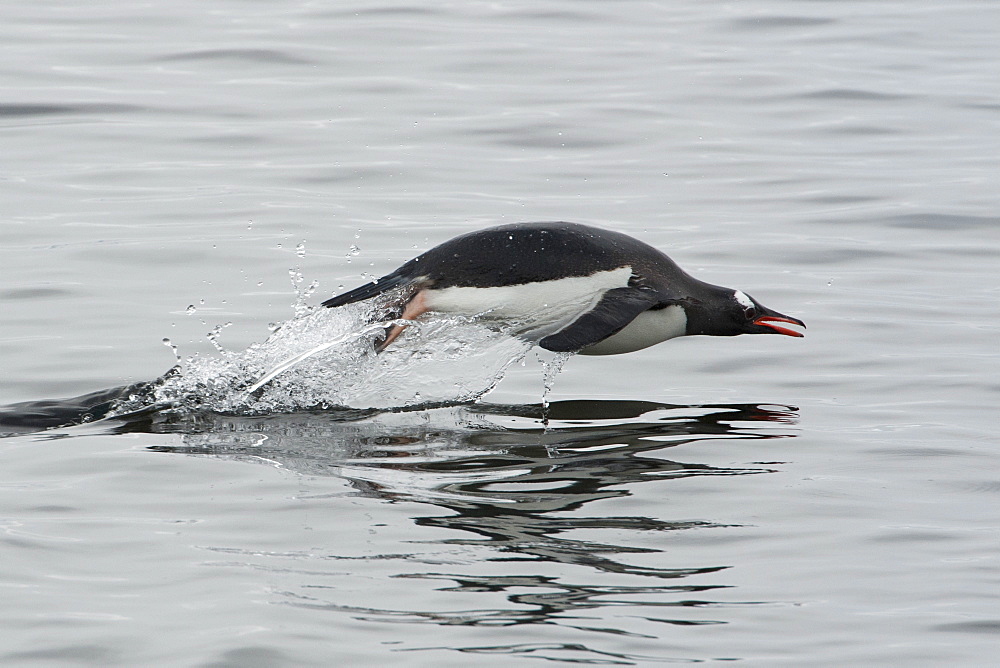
368	290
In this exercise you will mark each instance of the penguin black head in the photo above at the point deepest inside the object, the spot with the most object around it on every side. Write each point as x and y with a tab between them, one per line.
727	312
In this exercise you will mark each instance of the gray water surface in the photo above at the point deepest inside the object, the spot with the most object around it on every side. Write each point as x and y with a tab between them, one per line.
826	501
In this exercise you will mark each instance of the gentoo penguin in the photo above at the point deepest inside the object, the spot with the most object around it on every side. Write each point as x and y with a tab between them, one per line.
572	288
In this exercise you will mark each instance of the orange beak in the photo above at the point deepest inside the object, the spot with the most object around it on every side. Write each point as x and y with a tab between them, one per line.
769	320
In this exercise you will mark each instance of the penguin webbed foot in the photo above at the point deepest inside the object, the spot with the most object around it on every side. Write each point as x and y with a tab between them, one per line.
411	309
382	342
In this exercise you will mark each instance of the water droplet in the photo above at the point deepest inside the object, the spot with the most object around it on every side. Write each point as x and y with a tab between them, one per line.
170	344
300	250
353	251
551	370
214	335
190	310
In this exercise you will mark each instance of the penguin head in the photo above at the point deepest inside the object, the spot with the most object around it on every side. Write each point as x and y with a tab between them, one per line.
728	312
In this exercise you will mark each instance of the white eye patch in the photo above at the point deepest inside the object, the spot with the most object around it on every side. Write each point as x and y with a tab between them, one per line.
742	299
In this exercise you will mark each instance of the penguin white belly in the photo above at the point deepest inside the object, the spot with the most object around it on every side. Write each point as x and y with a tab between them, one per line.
557	301
648	329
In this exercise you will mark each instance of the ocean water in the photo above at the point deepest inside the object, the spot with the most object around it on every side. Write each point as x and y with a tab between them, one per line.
204	174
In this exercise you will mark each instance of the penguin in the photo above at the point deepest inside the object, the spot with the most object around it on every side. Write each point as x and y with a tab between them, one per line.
570	288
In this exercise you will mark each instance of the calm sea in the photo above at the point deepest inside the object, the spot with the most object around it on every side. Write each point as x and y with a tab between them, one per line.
186	171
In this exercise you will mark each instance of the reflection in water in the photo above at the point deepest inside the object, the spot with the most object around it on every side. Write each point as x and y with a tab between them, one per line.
514	485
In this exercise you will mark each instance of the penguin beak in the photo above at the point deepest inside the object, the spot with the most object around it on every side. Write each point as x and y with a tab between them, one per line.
769	319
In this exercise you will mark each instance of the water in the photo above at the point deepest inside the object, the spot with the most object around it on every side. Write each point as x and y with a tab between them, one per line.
824	501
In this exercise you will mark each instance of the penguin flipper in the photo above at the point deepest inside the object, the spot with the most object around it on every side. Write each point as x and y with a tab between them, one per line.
368	290
616	309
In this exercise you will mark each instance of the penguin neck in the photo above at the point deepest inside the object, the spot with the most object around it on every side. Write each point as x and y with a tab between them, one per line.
704	315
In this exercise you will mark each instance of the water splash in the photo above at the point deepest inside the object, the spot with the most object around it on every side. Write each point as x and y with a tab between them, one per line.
302	295
551	368
213	337
325	358
295	360
173	348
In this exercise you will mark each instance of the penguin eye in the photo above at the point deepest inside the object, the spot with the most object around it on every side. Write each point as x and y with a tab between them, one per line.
751	312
